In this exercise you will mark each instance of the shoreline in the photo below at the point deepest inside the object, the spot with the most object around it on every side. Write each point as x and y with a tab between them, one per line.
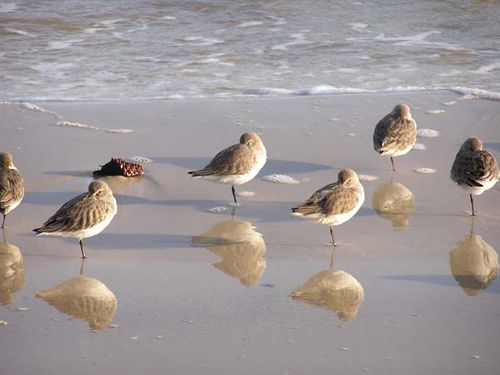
468	93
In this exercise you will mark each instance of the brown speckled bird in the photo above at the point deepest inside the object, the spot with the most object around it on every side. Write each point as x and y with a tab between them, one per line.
83	216
334	203
396	133
11	185
236	164
475	170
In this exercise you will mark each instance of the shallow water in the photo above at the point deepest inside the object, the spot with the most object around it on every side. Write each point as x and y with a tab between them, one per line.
150	49
189	289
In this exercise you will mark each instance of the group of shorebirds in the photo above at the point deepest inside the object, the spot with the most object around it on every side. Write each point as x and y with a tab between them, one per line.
474	169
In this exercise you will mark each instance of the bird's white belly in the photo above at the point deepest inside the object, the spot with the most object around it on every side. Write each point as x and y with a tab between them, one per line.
398	152
84	233
478	190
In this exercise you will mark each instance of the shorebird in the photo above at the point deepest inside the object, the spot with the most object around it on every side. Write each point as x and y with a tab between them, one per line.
236	164
83	216
335	203
396	133
475	170
11	185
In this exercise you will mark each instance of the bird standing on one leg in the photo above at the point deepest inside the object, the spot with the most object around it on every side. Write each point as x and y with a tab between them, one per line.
236	164
11	185
83	216
475	170
335	203
396	133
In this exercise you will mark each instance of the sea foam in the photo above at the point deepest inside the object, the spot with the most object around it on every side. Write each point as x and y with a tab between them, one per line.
427	133
281	179
80	125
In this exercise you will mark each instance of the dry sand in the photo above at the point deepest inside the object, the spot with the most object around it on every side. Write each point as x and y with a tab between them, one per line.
198	293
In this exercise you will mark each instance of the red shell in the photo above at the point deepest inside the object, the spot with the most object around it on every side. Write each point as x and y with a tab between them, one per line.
120	167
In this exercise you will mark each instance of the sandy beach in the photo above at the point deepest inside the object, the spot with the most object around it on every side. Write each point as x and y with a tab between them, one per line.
189	287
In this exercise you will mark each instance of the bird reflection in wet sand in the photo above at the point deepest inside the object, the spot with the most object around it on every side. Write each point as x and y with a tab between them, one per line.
241	248
334	290
84	298
395	202
11	271
473	263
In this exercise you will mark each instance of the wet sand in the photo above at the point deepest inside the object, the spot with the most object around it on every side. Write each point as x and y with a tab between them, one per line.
198	292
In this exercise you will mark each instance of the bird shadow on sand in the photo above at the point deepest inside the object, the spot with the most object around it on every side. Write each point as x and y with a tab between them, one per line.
271	166
444	280
49	197
70	173
140	241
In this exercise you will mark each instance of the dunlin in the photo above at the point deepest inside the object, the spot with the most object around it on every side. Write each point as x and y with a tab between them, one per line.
475	170
335	203
11	185
236	164
396	133
83	216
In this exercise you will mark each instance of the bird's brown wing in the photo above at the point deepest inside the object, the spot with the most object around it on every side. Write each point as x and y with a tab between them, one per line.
236	159
340	201
81	212
473	167
393	133
313	204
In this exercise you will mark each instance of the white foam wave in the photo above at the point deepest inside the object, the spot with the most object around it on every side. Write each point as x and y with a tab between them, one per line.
472	93
281	179
357	26
201	41
487	68
35	108
250	24
8	7
324	89
121	131
427	133
451	102
278	21
80	125
17	31
327	89
53	69
77	125
62	44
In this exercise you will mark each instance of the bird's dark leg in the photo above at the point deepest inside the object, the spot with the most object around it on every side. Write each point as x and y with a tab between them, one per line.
472	204
83	251
392	163
333	240
3	221
234	194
